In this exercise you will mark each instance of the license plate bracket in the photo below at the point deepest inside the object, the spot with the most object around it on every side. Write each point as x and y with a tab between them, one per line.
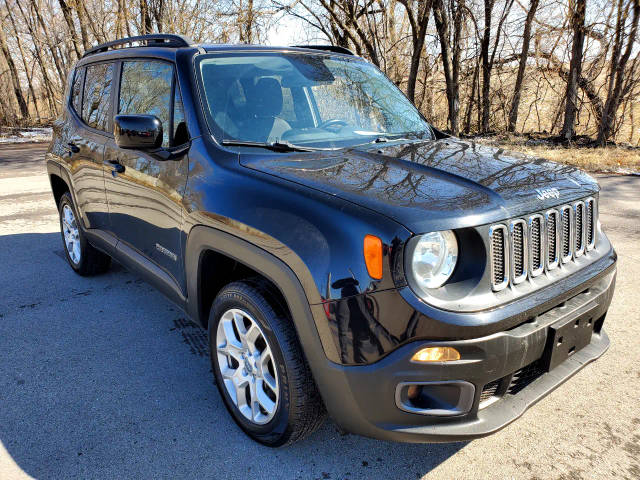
567	337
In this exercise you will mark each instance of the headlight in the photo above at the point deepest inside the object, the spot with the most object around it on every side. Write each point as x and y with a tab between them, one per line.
432	259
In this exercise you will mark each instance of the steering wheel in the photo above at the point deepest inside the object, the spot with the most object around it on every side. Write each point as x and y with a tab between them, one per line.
332	123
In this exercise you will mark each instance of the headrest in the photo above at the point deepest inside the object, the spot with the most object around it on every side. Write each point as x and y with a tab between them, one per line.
266	97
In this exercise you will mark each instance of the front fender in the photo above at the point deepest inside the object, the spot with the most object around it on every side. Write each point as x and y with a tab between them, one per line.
297	288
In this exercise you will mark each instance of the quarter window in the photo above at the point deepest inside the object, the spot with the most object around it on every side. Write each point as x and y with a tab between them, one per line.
145	88
180	132
97	91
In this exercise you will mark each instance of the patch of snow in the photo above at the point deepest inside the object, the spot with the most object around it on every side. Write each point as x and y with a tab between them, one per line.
27	135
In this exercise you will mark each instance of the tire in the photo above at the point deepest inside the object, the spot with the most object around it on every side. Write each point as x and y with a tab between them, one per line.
298	407
81	255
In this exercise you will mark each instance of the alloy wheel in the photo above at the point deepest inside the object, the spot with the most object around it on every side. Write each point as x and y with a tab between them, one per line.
247	366
71	234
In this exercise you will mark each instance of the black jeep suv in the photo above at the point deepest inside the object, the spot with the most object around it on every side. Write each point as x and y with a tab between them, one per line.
345	256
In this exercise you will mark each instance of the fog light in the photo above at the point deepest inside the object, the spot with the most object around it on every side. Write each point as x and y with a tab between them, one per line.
436	354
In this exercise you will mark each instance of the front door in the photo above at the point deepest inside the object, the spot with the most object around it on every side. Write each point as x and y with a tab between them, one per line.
144	193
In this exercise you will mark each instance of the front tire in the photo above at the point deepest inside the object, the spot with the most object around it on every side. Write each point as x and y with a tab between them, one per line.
81	255
260	370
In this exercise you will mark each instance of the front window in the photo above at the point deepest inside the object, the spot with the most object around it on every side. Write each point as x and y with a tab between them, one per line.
313	100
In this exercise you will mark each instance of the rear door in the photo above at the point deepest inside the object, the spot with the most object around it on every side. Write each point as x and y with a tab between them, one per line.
145	197
86	139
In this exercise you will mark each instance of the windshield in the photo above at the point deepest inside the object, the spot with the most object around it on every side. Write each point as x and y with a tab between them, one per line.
320	101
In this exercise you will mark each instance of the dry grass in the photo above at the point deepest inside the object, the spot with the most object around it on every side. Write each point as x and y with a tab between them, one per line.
621	159
610	159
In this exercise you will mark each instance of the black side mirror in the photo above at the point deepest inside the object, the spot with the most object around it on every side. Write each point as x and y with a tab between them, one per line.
140	132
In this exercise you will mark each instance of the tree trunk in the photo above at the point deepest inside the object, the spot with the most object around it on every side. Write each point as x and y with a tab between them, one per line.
486	66
524	55
618	66
68	18
418	24
474	86
575	70
24	64
49	88
450	59
15	80
145	18
82	19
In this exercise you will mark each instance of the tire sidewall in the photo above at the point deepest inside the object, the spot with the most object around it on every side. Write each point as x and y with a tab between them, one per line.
273	432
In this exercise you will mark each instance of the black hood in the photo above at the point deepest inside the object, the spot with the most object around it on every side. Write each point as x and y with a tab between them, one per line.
434	185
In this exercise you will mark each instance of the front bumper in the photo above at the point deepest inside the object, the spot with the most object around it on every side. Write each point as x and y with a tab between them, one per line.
364	399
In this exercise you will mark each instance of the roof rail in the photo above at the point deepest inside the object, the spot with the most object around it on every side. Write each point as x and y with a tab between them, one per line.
153	40
329	48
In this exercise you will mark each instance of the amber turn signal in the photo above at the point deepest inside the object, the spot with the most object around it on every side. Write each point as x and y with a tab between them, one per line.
436	354
373	256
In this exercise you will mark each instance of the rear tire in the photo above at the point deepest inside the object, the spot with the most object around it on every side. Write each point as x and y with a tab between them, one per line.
81	255
298	409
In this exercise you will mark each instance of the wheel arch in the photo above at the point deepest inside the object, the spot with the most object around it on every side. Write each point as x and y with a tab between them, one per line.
60	182
206	244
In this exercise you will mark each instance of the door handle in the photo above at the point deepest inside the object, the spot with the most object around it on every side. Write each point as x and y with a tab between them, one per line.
115	164
73	148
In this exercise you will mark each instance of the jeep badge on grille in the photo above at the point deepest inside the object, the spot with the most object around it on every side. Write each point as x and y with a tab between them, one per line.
544	193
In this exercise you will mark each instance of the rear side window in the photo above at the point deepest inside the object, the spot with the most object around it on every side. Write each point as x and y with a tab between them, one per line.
97	91
145	88
76	90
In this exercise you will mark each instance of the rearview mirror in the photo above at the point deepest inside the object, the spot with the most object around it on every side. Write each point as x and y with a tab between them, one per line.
140	132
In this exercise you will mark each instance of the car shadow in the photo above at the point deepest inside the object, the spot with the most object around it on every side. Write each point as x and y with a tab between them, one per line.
104	377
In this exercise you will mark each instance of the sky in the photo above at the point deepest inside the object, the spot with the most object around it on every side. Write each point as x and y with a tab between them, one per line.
289	30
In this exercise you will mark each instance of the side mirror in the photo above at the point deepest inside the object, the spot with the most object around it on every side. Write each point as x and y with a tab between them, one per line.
140	132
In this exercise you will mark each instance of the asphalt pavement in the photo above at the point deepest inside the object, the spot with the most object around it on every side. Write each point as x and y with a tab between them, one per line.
103	377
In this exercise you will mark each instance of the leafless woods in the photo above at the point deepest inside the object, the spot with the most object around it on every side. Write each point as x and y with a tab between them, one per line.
565	67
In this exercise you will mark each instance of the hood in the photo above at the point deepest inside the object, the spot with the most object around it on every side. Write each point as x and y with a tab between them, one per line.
434	185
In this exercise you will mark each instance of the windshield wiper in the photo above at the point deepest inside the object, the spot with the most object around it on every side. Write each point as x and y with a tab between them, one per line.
278	146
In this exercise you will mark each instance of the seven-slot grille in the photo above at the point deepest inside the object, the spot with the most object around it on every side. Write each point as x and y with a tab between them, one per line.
540	243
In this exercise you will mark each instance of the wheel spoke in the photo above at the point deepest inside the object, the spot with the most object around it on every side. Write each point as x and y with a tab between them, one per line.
264	400
252	335
238	320
255	407
270	382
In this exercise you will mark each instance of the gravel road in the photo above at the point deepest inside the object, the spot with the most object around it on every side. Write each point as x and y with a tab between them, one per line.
104	378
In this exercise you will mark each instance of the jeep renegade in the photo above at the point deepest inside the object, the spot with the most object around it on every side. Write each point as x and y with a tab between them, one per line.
345	256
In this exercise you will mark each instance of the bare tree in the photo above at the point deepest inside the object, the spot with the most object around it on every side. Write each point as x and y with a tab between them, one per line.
13	71
577	13
524	56
618	66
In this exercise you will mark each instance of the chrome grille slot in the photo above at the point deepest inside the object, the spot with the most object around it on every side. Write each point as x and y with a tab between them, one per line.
499	246
536	245
553	238
567	253
518	231
590	206
579	224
